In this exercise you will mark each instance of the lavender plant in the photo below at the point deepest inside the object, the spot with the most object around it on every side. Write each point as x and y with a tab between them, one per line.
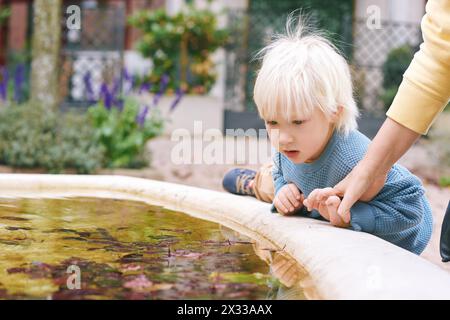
123	126
11	90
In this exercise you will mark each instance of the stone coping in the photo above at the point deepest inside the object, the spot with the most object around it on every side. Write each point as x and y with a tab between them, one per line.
343	264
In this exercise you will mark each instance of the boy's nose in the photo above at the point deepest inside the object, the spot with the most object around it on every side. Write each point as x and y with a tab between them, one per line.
285	138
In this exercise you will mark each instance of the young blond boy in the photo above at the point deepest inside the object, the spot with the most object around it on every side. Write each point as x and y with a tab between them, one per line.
303	92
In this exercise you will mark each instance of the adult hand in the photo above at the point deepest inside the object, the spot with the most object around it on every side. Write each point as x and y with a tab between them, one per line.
326	204
368	177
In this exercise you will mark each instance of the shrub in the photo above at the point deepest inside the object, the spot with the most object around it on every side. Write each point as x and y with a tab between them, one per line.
444	181
394	67
124	129
180	47
32	136
4	15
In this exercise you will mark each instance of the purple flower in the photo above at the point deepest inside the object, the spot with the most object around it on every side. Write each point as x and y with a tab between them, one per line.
145	87
156	98
140	118
18	81
164	83
179	95
128	80
4	84
88	86
115	88
119	104
126	75
162	87
106	95
111	97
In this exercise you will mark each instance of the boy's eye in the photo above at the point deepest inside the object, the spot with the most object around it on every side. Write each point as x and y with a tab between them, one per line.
297	122
271	122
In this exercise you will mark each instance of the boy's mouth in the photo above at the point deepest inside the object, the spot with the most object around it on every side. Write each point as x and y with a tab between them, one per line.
291	153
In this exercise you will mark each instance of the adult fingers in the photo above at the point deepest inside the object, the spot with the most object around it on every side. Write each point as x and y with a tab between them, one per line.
353	189
333	203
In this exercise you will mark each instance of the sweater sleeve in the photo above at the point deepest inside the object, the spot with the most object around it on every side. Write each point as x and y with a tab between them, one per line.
277	177
397	208
425	89
277	173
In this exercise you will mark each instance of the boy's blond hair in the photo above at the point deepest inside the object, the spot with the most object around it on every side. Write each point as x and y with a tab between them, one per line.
300	71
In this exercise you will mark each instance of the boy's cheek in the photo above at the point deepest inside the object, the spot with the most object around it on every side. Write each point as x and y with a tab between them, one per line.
274	138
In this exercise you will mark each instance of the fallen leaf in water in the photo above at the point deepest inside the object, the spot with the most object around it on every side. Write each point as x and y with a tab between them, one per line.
162	286
193	255
17	228
131	267
132	257
241	294
236	277
139	283
14	218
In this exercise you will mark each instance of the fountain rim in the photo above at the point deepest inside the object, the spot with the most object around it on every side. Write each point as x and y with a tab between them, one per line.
343	264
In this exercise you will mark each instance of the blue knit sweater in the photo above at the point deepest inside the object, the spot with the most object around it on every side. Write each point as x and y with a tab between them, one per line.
399	213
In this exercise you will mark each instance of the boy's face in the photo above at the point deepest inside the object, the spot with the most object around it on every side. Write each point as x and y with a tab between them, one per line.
301	140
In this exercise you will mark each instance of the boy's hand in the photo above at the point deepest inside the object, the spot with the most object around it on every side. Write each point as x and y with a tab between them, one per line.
327	205
288	200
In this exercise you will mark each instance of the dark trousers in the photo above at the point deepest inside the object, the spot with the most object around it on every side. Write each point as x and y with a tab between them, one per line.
444	243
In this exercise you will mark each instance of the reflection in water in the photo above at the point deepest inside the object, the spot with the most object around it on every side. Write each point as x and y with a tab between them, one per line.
132	250
293	281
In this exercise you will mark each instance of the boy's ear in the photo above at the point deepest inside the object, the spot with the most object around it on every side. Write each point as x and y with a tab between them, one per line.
336	114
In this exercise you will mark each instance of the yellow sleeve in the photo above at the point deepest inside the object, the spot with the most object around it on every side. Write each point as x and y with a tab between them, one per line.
425	89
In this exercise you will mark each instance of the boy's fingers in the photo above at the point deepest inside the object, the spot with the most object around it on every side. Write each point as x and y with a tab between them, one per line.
295	191
312	200
279	205
325	193
286	203
333	201
306	203
323	210
290	194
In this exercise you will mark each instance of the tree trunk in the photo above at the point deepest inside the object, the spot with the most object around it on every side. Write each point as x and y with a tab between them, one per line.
45	52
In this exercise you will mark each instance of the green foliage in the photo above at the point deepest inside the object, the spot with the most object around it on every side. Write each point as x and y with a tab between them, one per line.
4	15
32	136
444	181
267	17
395	65
180	47
121	135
